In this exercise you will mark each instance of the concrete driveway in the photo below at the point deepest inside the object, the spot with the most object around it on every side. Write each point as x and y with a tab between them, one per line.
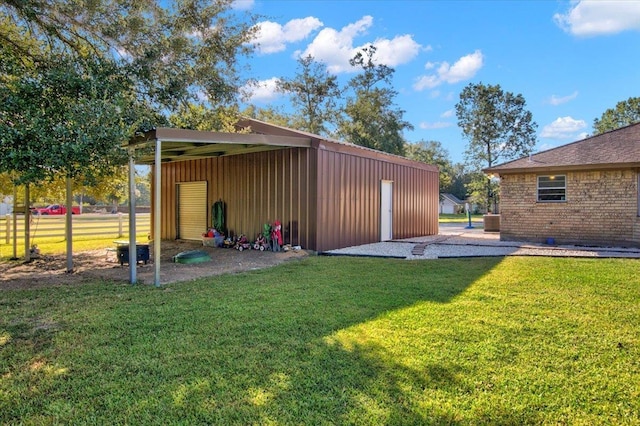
455	240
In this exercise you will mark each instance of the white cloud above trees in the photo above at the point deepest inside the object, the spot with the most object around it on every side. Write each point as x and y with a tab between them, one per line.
559	100
564	128
261	91
463	69
273	37
336	47
592	18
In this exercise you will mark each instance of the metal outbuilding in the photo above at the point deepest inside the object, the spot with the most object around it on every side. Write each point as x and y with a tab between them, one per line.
327	194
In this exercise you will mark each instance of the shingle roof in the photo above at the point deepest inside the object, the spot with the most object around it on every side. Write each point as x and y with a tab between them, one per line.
613	149
452	198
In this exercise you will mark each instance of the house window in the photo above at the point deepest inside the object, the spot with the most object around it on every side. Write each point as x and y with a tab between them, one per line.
552	188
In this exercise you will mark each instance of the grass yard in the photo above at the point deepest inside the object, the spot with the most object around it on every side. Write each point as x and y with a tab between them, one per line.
59	245
333	340
459	218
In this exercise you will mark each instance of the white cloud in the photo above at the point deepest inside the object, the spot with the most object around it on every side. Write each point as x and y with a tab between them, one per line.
272	37
261	91
399	50
242	4
464	69
559	100
563	128
447	114
436	125
335	48
591	18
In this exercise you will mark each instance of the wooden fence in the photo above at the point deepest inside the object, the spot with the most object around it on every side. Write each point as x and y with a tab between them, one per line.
86	225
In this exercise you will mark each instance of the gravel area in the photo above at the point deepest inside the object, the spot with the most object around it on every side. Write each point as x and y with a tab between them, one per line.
457	241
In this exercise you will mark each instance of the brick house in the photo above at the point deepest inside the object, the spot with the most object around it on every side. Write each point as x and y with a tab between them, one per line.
585	192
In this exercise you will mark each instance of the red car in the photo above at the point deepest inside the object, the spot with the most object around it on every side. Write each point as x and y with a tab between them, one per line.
54	209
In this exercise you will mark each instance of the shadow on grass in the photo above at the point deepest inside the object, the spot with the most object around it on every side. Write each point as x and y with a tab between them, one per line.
254	348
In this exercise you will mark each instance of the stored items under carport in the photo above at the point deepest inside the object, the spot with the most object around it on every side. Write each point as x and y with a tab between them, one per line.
192	256
142	253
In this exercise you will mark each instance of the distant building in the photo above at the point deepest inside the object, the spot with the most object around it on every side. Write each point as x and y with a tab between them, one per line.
450	204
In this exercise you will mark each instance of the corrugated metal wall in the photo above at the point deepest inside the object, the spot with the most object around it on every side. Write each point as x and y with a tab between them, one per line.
326	197
256	188
349	199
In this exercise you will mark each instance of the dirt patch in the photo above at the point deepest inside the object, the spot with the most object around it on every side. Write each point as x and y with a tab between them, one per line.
50	270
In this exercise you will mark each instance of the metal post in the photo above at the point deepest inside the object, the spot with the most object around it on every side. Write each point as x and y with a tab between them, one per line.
133	249
156	212
15	223
27	225
7	234
68	230
467	207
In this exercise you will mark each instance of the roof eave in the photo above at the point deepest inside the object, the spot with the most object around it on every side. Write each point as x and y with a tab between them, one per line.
567	167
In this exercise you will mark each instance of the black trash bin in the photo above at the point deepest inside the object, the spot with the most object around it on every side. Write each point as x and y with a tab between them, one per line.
142	253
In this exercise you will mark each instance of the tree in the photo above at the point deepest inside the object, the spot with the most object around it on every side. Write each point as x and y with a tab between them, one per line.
498	128
625	113
271	115
199	117
173	51
371	118
69	117
432	152
314	93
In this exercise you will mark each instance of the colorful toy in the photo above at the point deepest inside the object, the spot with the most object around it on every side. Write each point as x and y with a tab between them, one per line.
242	243
260	243
276	236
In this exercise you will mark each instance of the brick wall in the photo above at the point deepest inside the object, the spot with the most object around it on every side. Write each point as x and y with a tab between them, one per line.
601	208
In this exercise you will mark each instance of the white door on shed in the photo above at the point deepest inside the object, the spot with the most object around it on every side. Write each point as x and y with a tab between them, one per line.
192	210
386	213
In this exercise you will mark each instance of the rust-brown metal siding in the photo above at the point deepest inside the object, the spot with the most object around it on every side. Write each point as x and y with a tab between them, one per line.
326	196
257	188
348	194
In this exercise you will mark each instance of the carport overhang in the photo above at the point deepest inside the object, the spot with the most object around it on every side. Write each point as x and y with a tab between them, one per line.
165	145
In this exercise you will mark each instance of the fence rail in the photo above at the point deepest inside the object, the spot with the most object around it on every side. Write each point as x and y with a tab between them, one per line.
87	225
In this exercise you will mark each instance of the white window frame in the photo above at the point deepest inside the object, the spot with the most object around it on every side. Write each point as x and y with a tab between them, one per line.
550	178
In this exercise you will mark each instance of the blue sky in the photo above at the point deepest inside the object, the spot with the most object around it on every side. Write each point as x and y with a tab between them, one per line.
571	60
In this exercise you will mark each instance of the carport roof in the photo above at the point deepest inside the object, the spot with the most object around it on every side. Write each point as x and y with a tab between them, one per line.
181	144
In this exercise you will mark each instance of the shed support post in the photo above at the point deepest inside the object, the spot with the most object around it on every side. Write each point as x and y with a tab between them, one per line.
157	202
68	231
133	249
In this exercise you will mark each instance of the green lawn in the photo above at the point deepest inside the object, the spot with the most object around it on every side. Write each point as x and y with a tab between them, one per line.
333	340
459	218
59	245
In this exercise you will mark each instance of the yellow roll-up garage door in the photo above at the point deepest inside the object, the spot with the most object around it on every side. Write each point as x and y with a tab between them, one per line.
192	210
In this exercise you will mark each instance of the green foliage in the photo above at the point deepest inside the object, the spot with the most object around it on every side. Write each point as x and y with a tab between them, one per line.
314	93
64	117
625	113
333	341
270	114
173	50
497	126
371	118
198	117
432	152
